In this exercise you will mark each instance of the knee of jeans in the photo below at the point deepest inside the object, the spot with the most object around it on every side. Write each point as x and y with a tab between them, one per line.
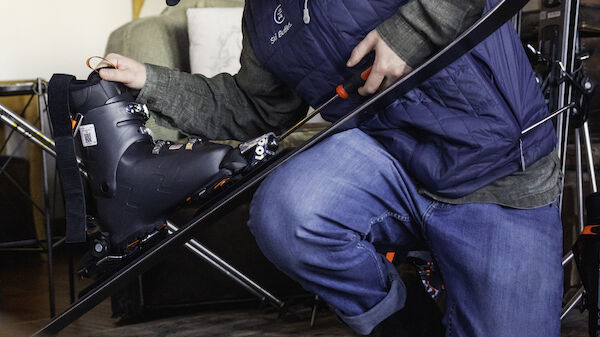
290	224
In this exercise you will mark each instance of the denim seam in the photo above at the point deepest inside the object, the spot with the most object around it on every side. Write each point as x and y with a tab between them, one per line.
424	218
450	327
388	214
373	255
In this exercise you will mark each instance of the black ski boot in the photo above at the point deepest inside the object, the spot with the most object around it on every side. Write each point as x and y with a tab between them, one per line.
134	181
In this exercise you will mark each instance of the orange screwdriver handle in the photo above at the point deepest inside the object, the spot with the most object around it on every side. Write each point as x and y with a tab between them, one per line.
353	83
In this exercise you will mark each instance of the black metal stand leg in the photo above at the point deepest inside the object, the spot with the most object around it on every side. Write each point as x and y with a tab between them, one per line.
71	278
204	253
582	137
562	149
50	264
579	176
47	212
31	133
588	150
572	303
313	314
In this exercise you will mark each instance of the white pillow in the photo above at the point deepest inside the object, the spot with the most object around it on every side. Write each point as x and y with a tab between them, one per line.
215	40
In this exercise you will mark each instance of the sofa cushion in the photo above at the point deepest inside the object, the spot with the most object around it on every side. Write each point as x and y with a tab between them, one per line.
215	36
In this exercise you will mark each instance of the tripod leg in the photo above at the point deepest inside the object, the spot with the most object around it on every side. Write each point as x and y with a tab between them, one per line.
210	257
572	304
313	314
591	244
579	179
587	257
588	149
563	131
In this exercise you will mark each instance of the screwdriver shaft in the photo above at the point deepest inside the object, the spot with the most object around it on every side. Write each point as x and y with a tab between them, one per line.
305	119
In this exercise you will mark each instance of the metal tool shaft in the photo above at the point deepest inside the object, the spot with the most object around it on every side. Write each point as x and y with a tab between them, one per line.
306	119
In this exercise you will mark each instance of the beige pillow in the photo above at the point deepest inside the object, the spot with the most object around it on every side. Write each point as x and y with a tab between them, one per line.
215	36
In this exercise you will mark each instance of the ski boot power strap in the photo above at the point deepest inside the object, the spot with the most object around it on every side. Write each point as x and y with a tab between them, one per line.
66	160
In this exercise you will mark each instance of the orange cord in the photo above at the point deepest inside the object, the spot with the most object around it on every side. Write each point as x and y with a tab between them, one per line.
87	62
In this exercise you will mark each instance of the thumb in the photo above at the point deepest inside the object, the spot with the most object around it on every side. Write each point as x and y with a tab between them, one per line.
111	75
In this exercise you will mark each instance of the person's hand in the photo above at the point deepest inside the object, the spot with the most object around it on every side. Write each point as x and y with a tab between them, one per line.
387	68
128	71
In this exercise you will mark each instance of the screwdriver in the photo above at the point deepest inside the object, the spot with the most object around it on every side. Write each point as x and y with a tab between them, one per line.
351	85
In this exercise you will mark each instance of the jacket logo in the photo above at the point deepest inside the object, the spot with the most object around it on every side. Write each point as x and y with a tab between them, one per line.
278	15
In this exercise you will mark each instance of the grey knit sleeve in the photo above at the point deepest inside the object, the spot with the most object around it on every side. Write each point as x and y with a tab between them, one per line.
238	107
420	28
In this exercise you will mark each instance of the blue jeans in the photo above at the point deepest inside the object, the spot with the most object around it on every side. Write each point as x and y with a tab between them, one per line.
325	218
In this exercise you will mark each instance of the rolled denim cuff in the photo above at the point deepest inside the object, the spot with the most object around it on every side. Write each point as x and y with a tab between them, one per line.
392	302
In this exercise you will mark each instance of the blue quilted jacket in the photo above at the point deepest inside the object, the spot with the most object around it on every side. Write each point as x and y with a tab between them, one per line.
455	133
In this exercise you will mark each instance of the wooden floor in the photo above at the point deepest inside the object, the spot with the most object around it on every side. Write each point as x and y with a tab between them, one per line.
23	285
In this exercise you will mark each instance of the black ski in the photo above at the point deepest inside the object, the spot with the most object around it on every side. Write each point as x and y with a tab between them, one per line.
485	26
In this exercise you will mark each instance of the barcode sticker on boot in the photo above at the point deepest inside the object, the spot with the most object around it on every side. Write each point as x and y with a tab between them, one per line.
88	135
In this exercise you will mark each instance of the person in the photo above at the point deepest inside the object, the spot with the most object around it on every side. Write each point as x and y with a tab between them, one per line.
444	167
